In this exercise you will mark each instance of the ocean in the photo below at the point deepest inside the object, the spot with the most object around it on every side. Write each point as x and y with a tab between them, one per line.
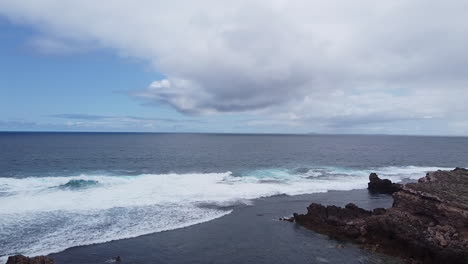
63	190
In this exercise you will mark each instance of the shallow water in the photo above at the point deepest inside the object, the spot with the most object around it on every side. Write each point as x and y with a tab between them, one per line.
250	234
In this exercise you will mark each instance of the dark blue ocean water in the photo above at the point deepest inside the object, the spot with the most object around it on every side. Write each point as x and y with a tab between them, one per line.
59	190
40	154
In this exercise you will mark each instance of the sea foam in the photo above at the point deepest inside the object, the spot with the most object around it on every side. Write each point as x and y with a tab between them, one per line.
41	215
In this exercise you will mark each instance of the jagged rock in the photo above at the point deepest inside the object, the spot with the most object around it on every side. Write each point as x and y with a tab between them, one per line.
20	259
378	185
327	219
427	222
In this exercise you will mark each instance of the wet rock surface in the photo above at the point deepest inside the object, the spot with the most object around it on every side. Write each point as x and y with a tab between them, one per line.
20	259
428	222
377	185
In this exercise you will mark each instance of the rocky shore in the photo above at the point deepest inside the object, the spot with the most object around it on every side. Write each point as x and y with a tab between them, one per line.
428	222
20	259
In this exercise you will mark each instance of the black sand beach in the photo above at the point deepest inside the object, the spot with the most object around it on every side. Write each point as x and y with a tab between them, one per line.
250	234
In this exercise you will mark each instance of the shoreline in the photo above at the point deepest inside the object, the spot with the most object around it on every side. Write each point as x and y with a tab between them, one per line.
177	219
427	222
250	234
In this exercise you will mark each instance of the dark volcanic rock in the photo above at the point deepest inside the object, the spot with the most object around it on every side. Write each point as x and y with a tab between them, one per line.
20	259
378	185
332	220
428	221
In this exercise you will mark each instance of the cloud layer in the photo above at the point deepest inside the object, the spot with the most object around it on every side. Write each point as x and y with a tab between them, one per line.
133	123
336	63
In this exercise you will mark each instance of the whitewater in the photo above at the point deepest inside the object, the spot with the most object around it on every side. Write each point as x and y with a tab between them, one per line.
51	214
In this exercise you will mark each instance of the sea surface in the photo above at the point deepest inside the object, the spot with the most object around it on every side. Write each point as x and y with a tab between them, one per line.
62	190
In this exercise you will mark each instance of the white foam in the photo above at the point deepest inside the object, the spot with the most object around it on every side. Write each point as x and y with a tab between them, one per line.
39	217
411	172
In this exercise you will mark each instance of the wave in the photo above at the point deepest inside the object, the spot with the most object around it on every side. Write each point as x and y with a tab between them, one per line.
79	184
41	215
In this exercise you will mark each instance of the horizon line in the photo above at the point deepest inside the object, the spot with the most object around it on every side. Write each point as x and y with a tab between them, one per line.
230	133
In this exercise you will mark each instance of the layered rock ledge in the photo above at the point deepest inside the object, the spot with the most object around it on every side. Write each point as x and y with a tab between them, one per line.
428	222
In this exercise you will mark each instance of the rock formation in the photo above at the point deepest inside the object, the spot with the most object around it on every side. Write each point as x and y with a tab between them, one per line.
377	185
427	223
20	259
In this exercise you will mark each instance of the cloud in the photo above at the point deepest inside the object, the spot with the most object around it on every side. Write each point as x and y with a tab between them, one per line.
86	122
119	121
340	63
16	124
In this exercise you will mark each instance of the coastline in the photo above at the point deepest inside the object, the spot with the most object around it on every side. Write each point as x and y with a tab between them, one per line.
427	222
250	234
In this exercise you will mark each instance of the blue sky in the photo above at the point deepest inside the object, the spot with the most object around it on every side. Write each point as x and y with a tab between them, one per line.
36	86
245	66
40	91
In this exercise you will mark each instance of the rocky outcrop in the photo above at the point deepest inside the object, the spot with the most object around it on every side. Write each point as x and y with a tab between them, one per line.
20	259
377	185
427	223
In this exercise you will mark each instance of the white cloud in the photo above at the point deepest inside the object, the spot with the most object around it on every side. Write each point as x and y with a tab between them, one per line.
340	63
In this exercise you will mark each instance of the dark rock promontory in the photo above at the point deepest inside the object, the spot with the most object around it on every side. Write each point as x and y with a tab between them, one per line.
377	185
428	222
20	259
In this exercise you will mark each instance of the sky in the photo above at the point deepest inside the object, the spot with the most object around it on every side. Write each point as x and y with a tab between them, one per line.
301	66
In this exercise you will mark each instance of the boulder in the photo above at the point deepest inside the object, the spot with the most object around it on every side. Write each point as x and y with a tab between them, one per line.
377	185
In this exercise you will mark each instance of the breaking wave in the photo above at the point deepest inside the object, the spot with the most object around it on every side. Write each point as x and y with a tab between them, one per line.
79	184
51	214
